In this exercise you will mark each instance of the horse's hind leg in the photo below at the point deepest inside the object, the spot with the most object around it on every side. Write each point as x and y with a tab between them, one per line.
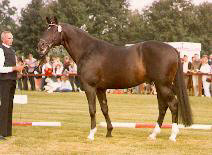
162	106
173	106
101	94
169	98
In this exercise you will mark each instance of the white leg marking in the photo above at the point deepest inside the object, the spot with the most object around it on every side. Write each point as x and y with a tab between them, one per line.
175	131
156	131
92	133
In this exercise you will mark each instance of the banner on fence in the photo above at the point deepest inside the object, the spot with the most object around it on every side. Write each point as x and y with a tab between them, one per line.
20	99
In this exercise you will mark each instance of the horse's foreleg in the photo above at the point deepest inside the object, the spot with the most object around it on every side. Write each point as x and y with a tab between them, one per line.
91	97
162	106
101	94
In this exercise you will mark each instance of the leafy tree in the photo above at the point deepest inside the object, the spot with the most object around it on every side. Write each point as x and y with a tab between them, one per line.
103	19
178	20
135	28
32	24
203	22
6	22
108	19
169	20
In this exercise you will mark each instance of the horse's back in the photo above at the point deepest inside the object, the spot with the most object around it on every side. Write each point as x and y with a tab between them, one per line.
122	67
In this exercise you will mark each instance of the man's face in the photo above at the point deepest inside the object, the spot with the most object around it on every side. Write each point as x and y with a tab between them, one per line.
204	60
185	59
30	56
8	39
196	57
47	59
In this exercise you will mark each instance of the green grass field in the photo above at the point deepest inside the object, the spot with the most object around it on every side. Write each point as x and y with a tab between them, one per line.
71	110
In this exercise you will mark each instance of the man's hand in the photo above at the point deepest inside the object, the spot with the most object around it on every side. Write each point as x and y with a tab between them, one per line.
18	68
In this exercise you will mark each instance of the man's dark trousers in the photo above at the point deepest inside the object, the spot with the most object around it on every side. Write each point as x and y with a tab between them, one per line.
6	109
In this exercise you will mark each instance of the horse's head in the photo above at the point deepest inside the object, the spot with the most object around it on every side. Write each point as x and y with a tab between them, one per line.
51	37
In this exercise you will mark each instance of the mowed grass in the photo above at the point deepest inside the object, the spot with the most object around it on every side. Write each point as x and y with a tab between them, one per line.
71	110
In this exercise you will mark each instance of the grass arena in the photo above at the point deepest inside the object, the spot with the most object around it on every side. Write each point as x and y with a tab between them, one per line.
71	109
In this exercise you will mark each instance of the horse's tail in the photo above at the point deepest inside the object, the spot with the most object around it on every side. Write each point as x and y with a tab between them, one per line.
184	109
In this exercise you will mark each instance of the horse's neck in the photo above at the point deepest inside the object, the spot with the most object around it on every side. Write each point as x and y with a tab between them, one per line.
76	44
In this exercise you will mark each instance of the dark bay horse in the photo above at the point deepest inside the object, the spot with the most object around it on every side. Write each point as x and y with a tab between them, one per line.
103	66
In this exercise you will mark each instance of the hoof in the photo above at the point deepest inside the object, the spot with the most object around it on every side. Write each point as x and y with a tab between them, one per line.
152	137
109	132
172	139
90	138
109	135
92	133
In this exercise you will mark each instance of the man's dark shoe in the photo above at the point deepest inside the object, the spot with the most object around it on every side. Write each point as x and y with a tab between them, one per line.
2	138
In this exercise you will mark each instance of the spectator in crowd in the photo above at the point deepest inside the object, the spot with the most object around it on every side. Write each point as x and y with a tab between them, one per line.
31	64
65	84
66	63
58	86
25	78
195	66
47	70
72	70
186	68
19	62
58	69
210	60
38	78
210	79
51	86
205	68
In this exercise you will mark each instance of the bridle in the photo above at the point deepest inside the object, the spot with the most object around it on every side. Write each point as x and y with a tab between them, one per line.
59	29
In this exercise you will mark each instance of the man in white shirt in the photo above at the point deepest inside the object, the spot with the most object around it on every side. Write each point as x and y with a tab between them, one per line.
205	68
8	75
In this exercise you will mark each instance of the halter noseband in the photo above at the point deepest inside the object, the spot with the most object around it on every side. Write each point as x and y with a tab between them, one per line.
59	27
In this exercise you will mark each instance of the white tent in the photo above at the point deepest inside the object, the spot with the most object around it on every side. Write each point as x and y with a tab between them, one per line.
187	48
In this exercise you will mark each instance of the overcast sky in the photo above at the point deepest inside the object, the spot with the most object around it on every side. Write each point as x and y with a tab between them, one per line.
135	4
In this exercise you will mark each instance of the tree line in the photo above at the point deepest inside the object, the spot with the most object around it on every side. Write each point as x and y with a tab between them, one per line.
112	21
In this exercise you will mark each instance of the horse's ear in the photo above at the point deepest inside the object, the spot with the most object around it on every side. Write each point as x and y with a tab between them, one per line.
48	20
55	20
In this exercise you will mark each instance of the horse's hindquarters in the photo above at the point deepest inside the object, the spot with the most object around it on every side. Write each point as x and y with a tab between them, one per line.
160	61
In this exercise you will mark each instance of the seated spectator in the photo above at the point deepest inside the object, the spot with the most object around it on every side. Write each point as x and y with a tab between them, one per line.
51	86
65	85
